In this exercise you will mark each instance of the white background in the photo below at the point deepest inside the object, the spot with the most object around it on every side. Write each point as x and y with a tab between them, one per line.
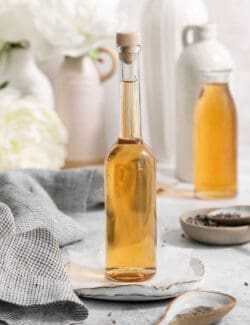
233	19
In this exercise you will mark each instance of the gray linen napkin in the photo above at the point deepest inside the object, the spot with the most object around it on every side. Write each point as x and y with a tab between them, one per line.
73	190
34	288
36	198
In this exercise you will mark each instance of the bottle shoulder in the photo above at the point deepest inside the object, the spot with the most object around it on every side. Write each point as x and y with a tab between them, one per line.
222	102
130	151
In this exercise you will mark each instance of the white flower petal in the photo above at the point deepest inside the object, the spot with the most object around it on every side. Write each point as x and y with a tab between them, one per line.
30	134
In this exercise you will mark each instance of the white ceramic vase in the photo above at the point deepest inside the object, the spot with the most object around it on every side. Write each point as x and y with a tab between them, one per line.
162	24
20	70
202	51
79	95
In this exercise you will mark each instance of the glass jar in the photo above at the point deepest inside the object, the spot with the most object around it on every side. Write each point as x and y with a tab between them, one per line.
215	138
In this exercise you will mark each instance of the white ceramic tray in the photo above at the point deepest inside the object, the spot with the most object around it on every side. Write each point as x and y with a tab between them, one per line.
177	272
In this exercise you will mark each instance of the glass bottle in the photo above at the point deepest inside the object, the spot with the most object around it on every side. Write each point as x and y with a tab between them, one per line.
215	138
130	192
202	49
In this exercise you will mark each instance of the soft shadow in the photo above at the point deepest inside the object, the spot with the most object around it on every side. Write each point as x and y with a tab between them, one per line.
98	207
177	238
126	305
245	249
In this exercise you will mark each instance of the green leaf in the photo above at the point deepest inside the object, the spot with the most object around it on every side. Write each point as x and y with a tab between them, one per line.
4	85
5	49
94	54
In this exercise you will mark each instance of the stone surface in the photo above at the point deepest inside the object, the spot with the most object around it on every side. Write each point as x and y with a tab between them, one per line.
227	268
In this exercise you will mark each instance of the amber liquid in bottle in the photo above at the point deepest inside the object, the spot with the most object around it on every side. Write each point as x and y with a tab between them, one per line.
130	193
215	147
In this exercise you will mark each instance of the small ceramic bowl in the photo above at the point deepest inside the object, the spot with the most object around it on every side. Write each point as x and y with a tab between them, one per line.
198	308
214	235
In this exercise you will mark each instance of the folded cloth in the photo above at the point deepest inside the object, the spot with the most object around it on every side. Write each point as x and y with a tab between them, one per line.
72	190
34	288
35	198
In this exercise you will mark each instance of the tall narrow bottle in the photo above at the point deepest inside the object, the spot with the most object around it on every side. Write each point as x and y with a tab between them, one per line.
215	138
130	193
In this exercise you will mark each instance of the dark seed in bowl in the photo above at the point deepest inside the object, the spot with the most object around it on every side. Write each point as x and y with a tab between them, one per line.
202	220
193	312
228	215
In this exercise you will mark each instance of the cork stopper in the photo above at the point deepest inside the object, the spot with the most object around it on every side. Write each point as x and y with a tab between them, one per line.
128	39
129	43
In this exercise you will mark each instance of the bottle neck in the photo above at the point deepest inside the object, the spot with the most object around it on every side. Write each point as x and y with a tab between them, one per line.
130	93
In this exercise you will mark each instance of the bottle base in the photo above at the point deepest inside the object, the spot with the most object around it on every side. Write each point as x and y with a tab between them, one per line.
130	274
204	194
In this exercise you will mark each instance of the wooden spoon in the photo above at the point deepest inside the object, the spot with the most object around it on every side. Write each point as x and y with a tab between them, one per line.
198	308
232	216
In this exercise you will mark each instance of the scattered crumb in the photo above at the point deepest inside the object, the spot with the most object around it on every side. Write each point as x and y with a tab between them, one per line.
113	322
109	314
183	235
246	284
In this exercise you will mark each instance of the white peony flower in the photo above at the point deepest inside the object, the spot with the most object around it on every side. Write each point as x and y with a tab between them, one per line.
68	27
11	13
31	136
